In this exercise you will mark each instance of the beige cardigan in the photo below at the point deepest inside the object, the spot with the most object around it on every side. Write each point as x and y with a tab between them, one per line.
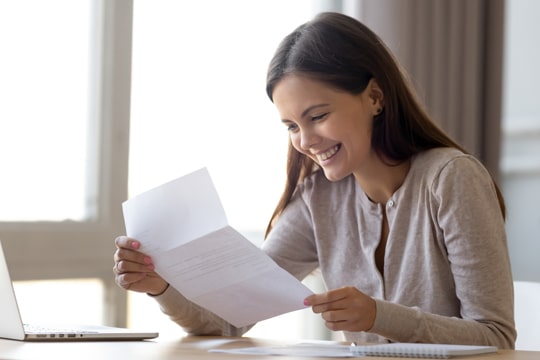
447	276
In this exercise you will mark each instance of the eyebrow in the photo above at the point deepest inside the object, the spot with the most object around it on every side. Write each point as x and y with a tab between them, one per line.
306	111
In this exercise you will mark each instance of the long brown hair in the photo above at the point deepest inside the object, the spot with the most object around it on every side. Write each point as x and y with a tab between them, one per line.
345	54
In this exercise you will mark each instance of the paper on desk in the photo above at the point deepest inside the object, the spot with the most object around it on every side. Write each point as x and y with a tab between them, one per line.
303	349
328	349
183	227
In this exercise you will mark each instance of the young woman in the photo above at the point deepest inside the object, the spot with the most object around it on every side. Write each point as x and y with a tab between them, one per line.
406	227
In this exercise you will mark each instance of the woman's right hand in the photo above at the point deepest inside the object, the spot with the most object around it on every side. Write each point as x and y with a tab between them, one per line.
134	270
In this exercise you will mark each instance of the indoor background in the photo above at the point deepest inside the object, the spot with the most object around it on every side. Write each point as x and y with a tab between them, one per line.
102	100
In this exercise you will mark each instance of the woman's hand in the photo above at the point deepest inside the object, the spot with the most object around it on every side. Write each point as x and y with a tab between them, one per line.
344	309
134	270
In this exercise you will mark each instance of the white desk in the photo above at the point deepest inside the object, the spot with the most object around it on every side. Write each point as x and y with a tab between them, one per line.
185	348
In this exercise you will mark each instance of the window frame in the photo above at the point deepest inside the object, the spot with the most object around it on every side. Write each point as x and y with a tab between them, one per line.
69	249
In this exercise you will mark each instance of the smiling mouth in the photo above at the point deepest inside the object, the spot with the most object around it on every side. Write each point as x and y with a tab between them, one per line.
328	154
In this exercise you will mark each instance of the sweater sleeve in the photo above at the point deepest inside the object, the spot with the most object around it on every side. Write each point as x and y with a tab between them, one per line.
291	242
468	214
194	319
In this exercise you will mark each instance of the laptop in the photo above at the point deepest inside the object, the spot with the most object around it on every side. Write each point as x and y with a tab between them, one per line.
12	327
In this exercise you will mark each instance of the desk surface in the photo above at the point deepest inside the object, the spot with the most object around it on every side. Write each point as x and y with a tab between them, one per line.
192	347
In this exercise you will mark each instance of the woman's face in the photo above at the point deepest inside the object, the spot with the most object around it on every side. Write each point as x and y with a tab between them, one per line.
332	127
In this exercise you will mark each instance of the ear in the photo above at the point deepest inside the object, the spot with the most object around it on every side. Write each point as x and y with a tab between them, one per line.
376	95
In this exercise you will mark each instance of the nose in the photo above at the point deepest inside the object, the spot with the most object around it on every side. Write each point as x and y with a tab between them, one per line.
308	138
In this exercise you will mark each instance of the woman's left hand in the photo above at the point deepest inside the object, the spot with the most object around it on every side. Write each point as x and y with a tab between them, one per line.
344	309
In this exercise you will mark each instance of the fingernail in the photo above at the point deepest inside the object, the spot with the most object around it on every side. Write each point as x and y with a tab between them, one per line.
135	245
306	302
147	260
151	267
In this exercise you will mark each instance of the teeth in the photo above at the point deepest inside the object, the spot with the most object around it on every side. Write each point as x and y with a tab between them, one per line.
328	154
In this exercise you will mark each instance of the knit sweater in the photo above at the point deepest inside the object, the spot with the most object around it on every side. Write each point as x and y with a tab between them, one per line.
446	277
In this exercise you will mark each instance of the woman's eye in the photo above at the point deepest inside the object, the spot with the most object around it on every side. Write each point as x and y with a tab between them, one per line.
318	117
292	127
